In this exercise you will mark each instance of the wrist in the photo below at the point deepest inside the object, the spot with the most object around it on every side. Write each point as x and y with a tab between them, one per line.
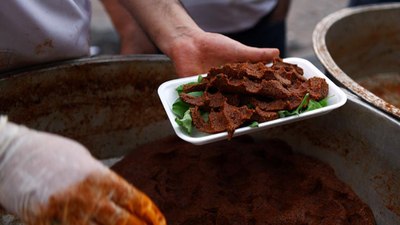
166	22
183	37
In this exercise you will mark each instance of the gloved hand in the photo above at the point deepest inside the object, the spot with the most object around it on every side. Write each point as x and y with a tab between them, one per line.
48	179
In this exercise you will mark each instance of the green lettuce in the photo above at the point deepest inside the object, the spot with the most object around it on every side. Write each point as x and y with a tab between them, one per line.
310	103
181	108
185	122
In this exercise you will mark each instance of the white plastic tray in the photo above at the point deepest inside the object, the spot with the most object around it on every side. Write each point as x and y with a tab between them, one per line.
168	95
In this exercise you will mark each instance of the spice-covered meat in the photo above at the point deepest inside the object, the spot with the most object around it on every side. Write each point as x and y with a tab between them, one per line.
227	118
192	100
317	87
276	105
263	116
266	88
239	93
288	71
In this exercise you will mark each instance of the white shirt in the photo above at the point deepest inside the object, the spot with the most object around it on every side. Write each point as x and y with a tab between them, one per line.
39	31
226	16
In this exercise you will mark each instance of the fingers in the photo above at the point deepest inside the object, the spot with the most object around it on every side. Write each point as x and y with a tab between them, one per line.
122	203
145	209
210	50
242	53
257	54
102	198
108	213
137	203
234	51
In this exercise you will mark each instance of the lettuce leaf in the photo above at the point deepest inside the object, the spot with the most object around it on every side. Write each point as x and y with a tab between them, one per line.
179	89
185	122
310	103
254	124
181	108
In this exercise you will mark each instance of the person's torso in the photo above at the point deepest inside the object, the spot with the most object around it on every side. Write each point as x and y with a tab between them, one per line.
226	16
40	31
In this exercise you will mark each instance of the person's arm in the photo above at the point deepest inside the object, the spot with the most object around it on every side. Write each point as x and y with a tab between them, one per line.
48	179
133	40
191	49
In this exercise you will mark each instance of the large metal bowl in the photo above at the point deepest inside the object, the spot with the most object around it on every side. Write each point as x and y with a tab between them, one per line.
110	104
360	48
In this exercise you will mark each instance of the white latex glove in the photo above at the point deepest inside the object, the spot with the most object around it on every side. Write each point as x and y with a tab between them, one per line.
48	179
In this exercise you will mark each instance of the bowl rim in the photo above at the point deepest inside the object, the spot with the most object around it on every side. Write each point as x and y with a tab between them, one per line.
322	53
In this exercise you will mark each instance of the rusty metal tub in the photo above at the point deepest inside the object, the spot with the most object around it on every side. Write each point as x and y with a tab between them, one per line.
110	105
360	49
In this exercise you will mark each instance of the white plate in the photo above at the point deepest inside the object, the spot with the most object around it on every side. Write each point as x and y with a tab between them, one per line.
168	95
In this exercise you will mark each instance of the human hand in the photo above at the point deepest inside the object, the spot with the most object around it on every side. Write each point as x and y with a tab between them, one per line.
195	51
48	179
192	50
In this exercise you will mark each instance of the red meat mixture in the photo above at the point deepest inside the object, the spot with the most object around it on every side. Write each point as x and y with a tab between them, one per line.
242	181
237	93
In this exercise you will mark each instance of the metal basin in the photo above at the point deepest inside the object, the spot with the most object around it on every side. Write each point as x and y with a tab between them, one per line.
360	48
103	102
110	105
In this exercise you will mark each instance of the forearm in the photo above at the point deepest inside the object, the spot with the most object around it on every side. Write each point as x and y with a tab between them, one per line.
192	50
117	14
133	40
165	21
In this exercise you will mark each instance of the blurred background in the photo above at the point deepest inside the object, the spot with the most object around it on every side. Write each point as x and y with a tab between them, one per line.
302	19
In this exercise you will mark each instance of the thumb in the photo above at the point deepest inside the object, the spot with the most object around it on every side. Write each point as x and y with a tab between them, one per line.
253	54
